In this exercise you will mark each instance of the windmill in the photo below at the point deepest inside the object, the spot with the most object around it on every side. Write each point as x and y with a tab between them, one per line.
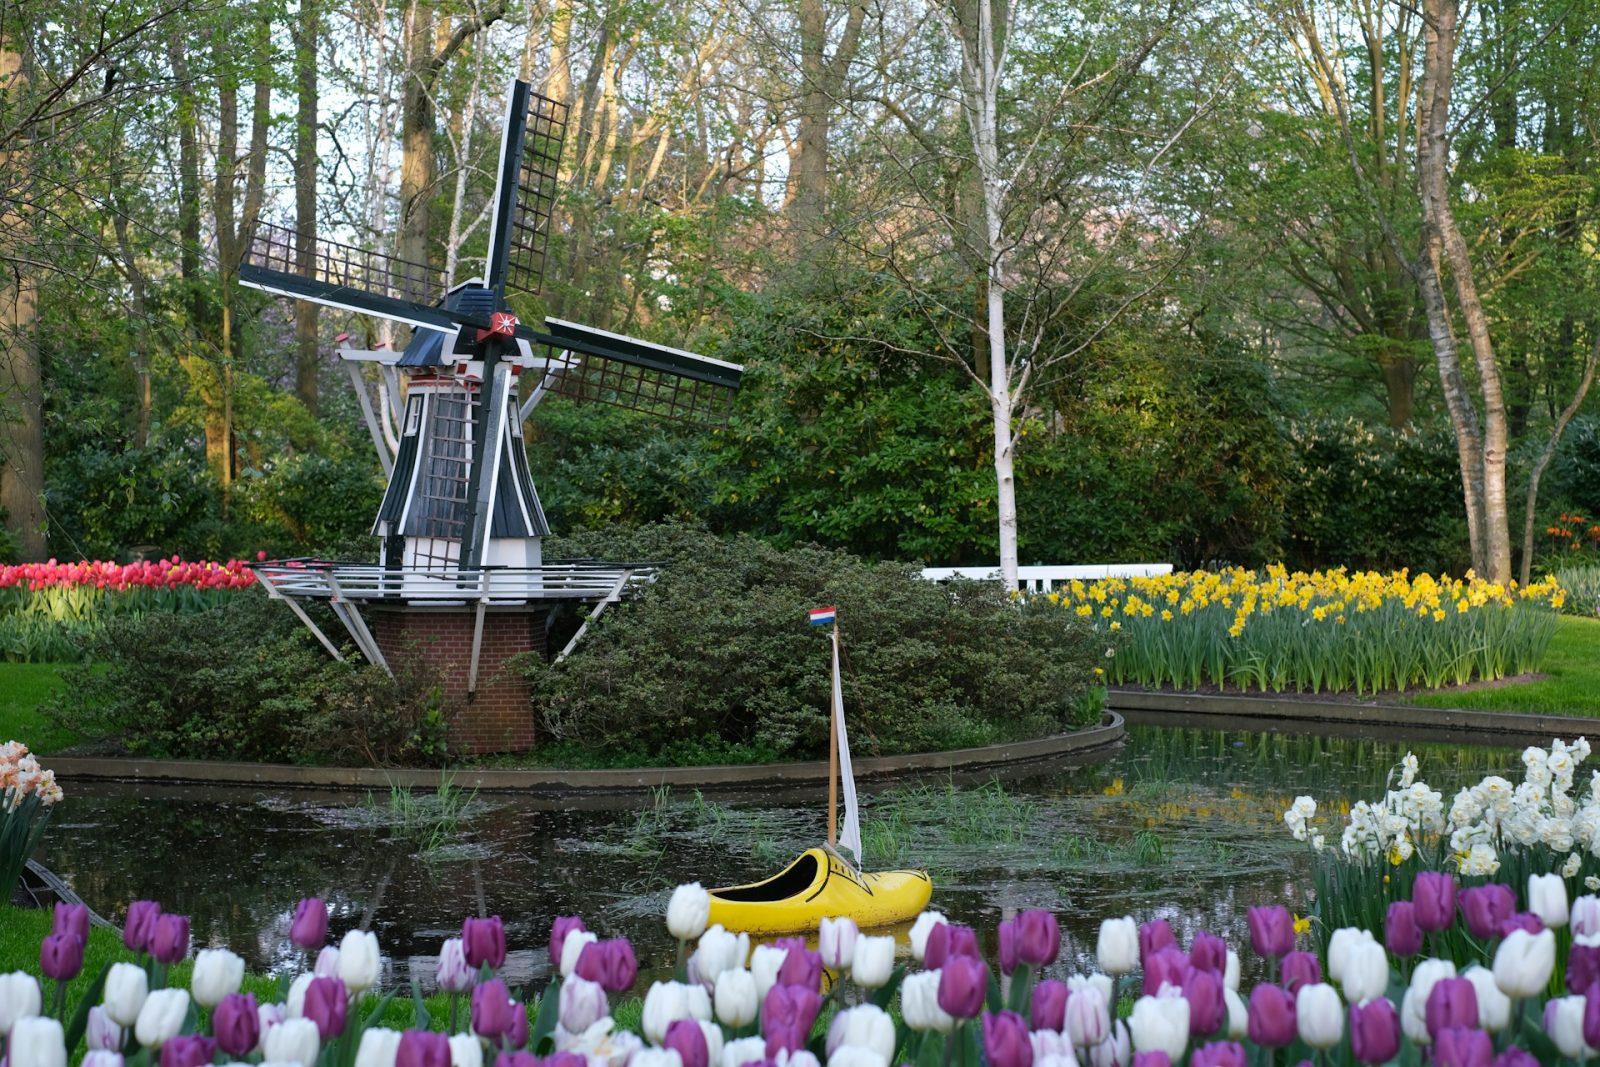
460	526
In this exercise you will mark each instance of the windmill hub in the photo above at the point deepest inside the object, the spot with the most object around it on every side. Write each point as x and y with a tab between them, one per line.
461	581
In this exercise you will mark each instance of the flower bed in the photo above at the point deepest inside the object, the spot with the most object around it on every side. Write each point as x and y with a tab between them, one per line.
48	610
1324	631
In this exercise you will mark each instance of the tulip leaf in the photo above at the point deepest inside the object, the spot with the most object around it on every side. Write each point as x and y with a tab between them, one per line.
377	1012
885	996
931	1053
992	999
544	1024
422	1017
80	1018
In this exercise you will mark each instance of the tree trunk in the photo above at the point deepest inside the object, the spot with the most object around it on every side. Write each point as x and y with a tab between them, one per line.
22	389
1531	503
821	79
307	361
1399	387
416	134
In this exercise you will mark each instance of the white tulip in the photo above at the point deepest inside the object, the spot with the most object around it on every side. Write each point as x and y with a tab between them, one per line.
714	1040
836	941
1088	1017
919	1003
735	998
1118	946
920	931
1585	916
581	1004
327	965
798	1058
1115	1050
718	951
1563	1021
656	1057
217	973
125	989
36	1042
378	1047
1230	974
161	1017
1098	981
19	998
294	1004
1523	963
873	962
99	1057
688	911
1494	1007
743	1051
293	1041
102	1032
865	1026
1159	1024
856	1056
1319	1015
465	1050
667	1002
572	948
1050	1045
1238	1015
1340	944
269	1015
1366	970
1547	898
764	964
359	961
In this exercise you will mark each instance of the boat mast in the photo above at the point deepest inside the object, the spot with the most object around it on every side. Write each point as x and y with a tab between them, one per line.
833	744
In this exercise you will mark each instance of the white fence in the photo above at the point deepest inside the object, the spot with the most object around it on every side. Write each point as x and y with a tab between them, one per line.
1044	579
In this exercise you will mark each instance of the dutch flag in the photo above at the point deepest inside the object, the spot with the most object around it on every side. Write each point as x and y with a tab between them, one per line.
823	616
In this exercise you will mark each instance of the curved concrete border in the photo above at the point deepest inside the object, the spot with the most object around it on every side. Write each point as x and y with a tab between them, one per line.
633	779
1522	724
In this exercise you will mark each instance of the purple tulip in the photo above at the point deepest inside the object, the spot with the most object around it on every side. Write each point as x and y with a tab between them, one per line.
71	919
1434	894
1462	1046
1485	907
237	1025
169	940
1401	934
1038	937
1516	1057
61	956
1164	967
1272	1022
1208	1009
423	1048
1522	920
1300	969
309	929
517	1059
484	942
689	1041
564	925
946	940
1583	967
1151	1059
491	1010
1005	1040
1271	930
1453	1002
787	1016
188	1050
517	1036
1208	952
139	925
1374	1031
801	966
1008	956
1154	936
326	1004
963	984
1591	1016
1218	1054
566	1059
1049	1008
610	963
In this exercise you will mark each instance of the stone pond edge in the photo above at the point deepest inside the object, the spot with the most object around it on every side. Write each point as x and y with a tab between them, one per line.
1523	724
546	780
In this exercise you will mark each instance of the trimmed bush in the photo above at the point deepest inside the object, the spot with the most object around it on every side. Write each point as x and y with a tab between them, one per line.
716	656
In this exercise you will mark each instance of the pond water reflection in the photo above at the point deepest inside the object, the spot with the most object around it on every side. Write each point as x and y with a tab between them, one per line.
1179	821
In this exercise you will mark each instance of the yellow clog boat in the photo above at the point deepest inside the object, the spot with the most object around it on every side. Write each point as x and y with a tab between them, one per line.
821	885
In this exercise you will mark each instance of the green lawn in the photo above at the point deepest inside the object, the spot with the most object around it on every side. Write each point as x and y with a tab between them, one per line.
1571	688
24	687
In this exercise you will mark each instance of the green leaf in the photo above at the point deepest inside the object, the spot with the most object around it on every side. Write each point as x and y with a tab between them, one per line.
540	1041
80	1018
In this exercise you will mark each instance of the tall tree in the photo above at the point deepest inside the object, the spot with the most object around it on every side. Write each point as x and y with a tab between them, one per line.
822	77
307	34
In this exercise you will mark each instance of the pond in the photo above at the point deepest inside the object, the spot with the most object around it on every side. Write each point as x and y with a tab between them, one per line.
1178	821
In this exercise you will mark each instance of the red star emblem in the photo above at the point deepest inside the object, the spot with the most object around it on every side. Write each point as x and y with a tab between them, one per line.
501	324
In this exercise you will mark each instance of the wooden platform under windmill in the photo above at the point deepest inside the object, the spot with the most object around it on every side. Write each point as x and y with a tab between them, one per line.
461	583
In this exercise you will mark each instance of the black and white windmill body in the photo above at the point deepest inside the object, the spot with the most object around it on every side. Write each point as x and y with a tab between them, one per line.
461	511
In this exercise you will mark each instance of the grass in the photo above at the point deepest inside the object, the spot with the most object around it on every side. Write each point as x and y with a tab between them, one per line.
24	689
1571	685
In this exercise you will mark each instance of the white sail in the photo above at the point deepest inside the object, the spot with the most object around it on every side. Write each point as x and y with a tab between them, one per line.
850	833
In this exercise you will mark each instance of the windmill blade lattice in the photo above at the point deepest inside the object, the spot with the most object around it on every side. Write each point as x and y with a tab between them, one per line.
535	172
342	275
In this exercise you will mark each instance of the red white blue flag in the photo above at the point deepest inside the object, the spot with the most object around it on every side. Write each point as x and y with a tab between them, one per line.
823	616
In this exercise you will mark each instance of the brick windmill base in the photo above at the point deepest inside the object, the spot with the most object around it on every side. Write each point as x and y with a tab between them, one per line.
496	716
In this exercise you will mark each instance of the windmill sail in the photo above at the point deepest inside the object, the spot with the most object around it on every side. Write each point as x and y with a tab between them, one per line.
525	198
850	832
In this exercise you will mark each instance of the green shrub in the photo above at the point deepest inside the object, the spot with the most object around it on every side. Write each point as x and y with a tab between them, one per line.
246	681
1582	584
717	653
